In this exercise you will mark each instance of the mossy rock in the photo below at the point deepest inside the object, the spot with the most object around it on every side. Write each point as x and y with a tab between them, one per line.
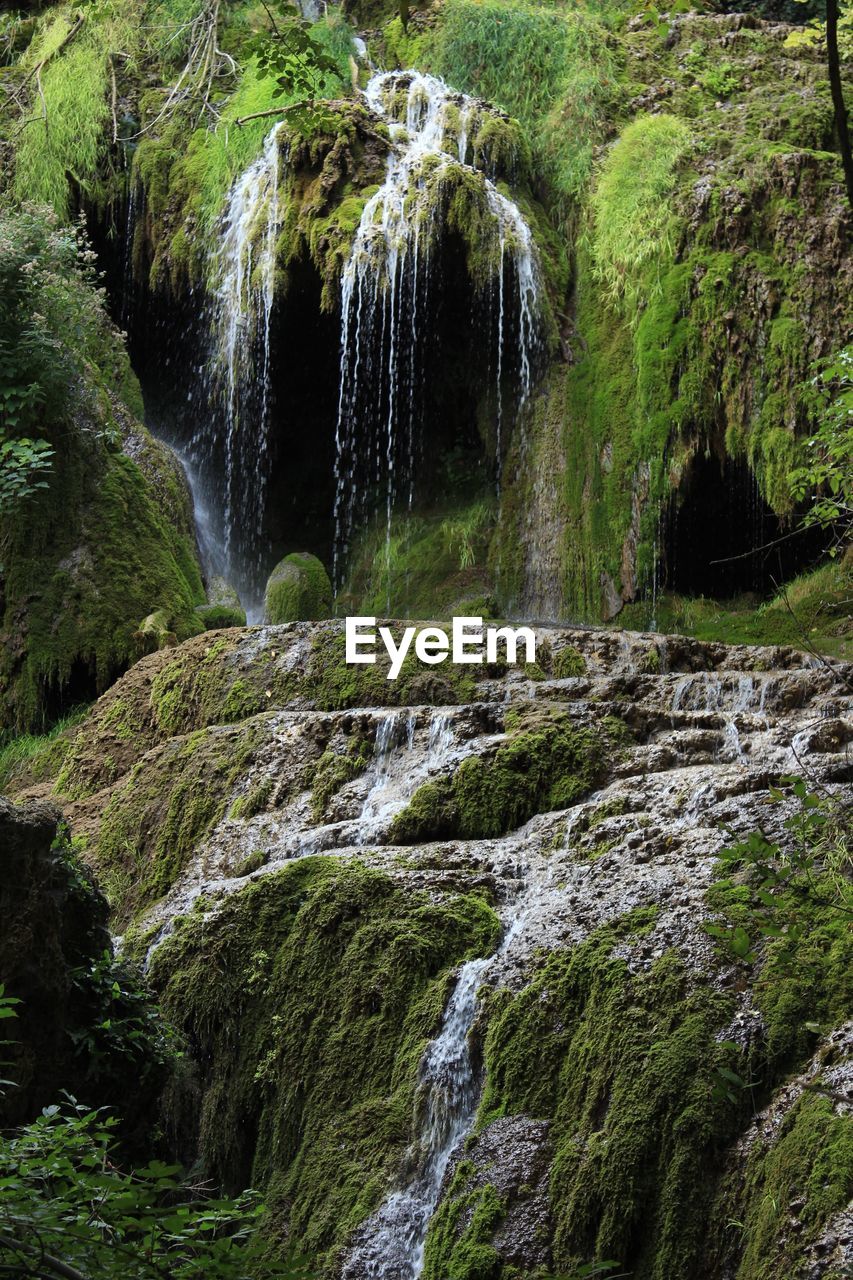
298	590
214	616
221	592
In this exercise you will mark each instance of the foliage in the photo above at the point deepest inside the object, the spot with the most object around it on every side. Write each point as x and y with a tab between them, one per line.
826	479
23	463
813	33
551	68
68	1209
432	565
633	233
64	136
123	1028
300	64
52	322
194	174
37	755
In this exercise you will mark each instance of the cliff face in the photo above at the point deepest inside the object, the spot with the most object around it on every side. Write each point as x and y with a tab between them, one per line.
105	537
687	351
482	910
567	416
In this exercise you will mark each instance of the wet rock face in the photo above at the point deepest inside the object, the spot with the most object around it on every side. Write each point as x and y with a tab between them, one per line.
232	762
513	1156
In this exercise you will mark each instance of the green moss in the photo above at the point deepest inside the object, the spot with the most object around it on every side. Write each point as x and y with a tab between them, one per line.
334	769
432	563
90	558
310	996
458	1252
254	801
298	590
187	171
552	69
214	616
334	685
805	1172
569	662
631	210
157	817
209	686
551	765
621	1060
255	860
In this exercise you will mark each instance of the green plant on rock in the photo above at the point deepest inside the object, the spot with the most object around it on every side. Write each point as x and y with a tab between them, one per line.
787	908
68	70
334	769
548	765
825	480
633	225
300	65
310	995
619	1056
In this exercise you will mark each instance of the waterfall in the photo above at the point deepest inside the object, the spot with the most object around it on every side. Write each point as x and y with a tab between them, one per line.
384	287
238	379
390	1244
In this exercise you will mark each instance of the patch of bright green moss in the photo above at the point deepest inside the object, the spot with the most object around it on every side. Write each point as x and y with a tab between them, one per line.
551	765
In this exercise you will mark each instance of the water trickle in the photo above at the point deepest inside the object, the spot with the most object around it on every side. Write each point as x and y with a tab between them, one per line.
385	285
390	1244
238	378
135	207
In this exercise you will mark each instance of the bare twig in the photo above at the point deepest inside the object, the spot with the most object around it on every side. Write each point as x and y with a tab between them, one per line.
765	546
114	100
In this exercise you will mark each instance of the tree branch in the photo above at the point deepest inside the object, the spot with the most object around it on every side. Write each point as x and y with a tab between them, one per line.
837	89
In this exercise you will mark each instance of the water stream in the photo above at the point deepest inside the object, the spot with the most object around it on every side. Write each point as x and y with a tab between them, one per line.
384	290
390	1245
238	383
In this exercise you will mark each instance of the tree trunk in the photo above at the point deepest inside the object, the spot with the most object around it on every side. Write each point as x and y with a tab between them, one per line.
841	126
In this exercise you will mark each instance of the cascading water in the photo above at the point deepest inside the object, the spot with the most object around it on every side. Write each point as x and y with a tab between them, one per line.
392	1245
385	286
231	495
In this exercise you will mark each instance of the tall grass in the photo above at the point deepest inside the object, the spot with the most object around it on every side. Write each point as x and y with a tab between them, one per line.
551	68
35	754
633	224
66	132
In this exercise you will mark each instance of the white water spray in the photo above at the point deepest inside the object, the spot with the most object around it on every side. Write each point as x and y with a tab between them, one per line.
242	268
384	287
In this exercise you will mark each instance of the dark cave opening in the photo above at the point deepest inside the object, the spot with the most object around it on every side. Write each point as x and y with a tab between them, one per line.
719	538
80	688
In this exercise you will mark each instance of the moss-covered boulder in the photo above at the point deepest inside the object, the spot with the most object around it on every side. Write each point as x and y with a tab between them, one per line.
214	616
298	590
